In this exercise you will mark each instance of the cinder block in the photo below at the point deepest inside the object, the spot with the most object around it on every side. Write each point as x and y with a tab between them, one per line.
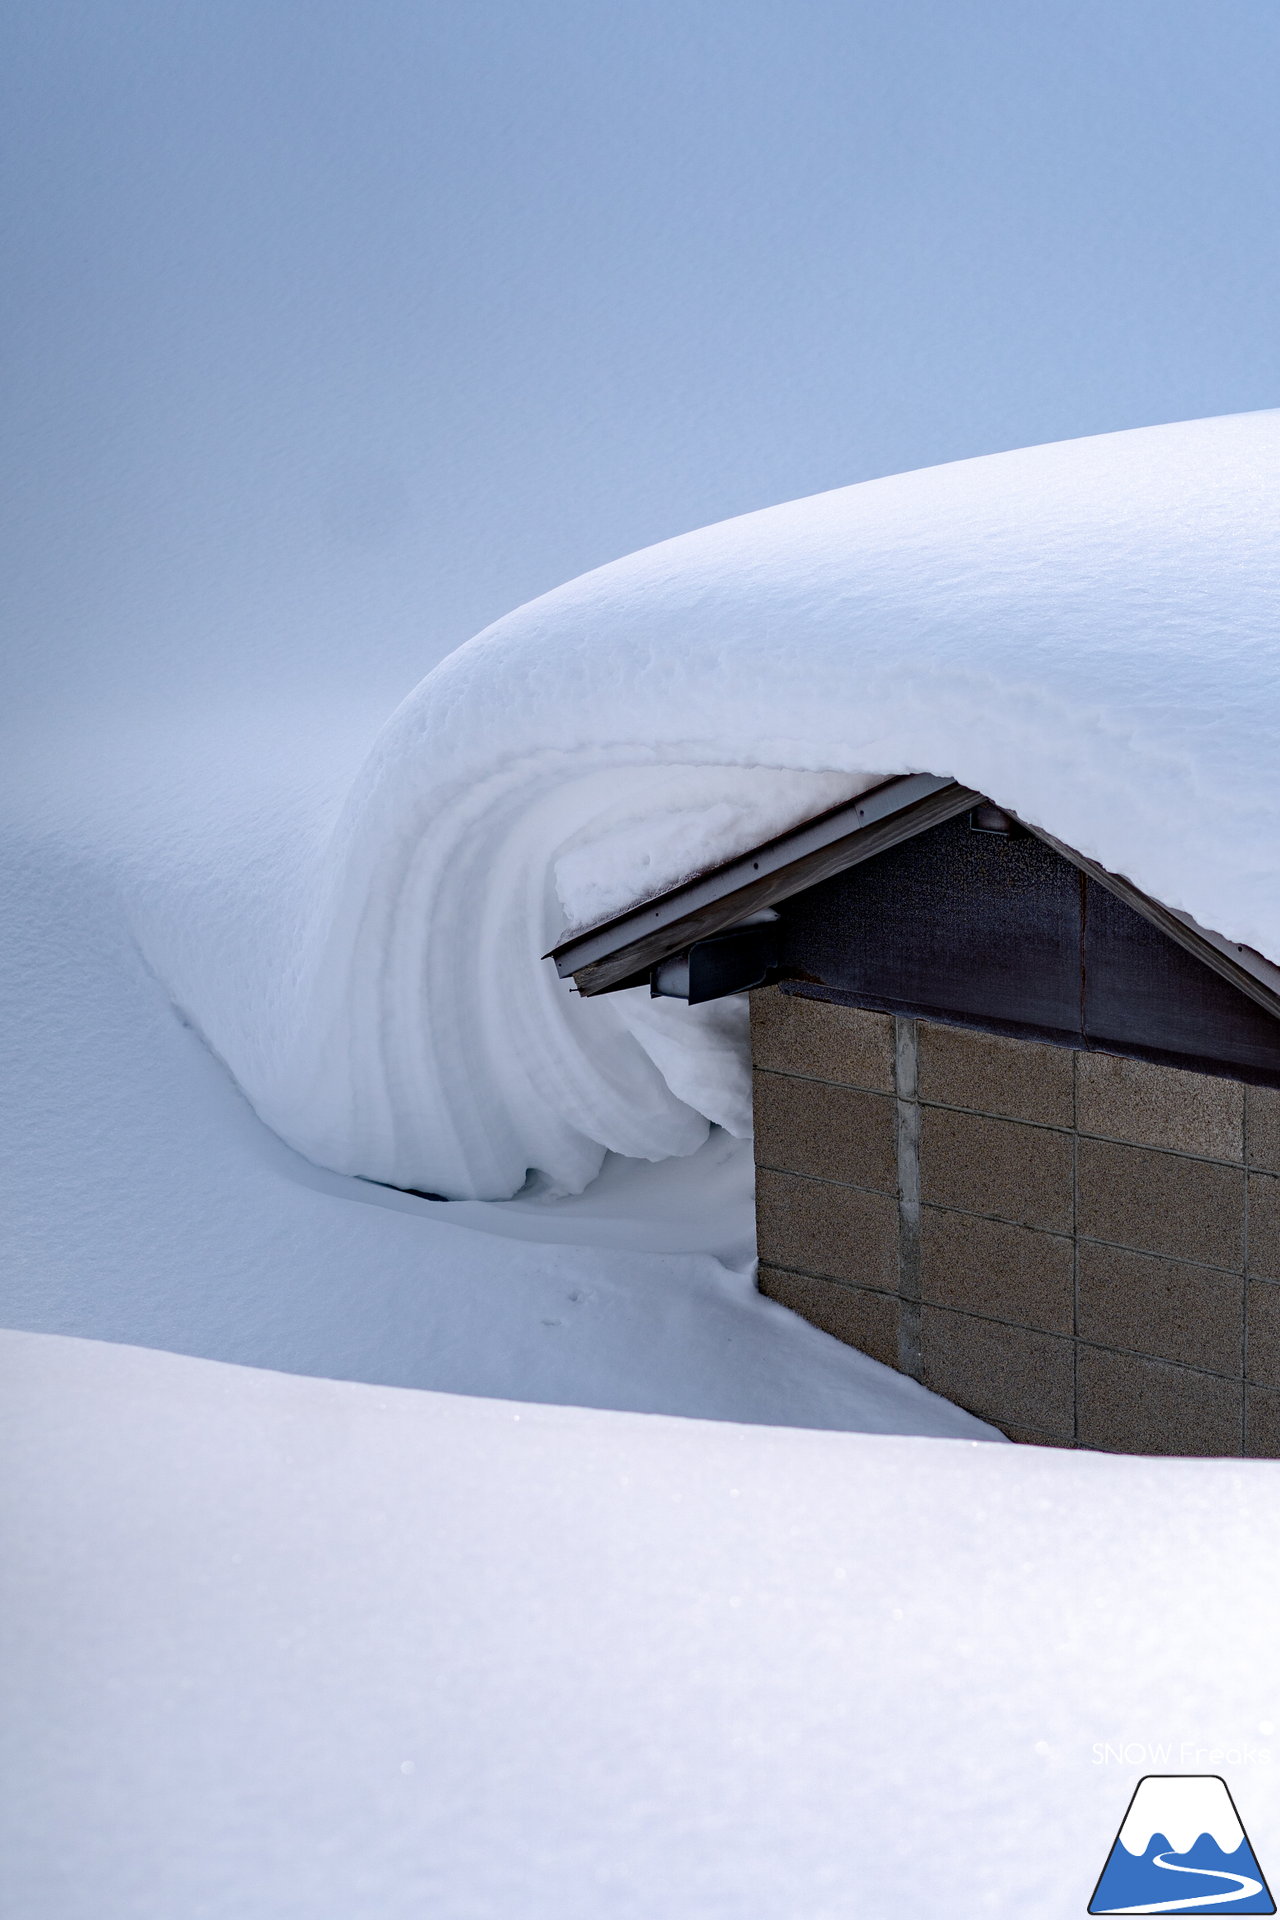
1164	1107
1020	1173
1129	1405
1262	1353
1008	1375
860	1318
1262	1424
989	1267
1160	1203
812	1226
831	1132
791	1034
1015	1079
1262	1124
1264	1225
1129	1338
1165	1308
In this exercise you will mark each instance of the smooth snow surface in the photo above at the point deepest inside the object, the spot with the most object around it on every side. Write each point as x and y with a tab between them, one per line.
289	1649
1089	632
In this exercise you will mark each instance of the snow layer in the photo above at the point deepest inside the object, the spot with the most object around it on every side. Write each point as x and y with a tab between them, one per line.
1086	631
289	1649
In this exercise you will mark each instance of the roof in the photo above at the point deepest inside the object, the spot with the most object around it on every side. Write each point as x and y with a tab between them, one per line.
622	952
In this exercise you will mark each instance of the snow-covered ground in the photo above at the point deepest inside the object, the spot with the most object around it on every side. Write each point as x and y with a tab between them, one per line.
286	1647
403	1640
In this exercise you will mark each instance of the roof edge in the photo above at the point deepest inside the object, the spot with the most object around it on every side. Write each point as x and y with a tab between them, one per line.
1250	972
620	952
612	955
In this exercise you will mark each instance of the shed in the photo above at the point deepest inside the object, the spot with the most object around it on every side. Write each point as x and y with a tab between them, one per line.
1017	1124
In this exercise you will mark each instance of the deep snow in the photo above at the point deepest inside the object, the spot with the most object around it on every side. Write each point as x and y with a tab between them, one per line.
289	1648
1087	632
282	1645
143	1201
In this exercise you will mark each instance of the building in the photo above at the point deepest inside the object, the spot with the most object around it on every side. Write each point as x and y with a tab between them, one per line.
1017	1123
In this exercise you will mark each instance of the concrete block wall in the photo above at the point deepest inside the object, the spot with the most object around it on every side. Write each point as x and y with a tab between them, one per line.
1082	1248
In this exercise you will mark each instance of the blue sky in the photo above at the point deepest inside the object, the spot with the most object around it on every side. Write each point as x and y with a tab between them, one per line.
331	332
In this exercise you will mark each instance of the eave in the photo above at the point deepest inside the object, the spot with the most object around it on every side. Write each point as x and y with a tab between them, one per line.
622	951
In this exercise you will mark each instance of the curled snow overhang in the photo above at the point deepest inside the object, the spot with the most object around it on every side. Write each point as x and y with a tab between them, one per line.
1088	631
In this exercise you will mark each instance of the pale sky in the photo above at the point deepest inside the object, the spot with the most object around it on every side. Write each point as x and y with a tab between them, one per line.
338	330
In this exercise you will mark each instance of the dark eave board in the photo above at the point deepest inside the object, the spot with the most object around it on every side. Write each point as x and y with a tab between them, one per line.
1249	972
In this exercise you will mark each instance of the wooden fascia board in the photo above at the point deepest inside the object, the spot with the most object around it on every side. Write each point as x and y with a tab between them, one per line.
1248	972
620	952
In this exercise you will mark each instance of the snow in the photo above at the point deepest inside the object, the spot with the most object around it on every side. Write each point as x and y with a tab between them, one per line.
1087	632
285	1647
588	1580
141	1200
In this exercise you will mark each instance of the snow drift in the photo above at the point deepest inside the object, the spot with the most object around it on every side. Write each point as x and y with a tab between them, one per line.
1086	631
290	1649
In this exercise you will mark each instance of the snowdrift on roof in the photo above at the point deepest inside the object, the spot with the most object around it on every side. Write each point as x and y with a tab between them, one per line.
1088	632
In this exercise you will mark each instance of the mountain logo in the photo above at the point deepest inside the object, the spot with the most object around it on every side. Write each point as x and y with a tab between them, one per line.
1181	1849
